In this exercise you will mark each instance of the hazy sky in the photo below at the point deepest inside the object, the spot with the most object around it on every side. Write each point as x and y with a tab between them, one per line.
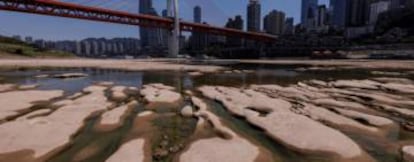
215	12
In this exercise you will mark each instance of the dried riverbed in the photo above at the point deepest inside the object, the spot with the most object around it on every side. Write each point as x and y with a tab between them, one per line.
238	113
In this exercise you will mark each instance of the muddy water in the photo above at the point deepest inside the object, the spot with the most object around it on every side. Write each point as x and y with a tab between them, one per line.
102	144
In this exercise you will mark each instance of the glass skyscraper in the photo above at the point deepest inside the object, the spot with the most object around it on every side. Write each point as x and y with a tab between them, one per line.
253	16
309	8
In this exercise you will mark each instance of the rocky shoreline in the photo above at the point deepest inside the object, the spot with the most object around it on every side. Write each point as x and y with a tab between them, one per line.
157	122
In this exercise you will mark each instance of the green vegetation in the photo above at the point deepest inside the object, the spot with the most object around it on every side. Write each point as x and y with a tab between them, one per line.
12	47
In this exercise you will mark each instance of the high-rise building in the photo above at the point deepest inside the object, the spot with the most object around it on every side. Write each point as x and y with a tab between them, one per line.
86	48
376	9
308	13
198	40
197	14
164	32
144	8
17	37
321	16
274	22
253	15
398	4
289	26
357	13
338	13
28	40
150	37
236	23
154	34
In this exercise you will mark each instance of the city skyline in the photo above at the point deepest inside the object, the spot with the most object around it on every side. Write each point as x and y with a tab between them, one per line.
80	29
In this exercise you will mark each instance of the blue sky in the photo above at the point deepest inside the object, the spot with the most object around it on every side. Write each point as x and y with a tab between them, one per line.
215	12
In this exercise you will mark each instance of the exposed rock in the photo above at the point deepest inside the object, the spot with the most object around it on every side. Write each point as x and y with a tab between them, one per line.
394	80
293	130
322	114
70	75
371	119
408	153
35	113
217	125
160	153
118	93
62	102
318	83
64	122
199	103
187	111
15	101
132	151
42	76
132	91
218	149
195	73
28	86
76	95
363	84
162	86
402	88
105	83
115	116
402	111
7	87
145	113
342	104
160	93
188	92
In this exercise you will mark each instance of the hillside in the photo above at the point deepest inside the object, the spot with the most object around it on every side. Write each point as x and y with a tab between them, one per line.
11	48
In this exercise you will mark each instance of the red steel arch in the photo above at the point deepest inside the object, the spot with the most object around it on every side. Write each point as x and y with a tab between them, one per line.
70	10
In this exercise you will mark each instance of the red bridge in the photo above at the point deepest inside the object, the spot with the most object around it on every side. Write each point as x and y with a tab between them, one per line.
71	10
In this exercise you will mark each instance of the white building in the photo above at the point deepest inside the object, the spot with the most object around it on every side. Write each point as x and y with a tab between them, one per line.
376	9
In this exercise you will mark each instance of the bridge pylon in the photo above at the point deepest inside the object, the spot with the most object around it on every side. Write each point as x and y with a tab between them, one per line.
173	37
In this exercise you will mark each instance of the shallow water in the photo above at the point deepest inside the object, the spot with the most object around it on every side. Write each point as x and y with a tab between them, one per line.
108	142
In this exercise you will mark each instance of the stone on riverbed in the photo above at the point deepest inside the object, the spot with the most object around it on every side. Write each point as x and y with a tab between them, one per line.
401	88
70	75
28	86
371	119
321	114
42	76
7	87
132	151
187	111
394	80
64	123
118	93
196	73
160	93
293	130
35	113
408	153
105	83
363	84
114	118
145	113
15	101
342	104
218	149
